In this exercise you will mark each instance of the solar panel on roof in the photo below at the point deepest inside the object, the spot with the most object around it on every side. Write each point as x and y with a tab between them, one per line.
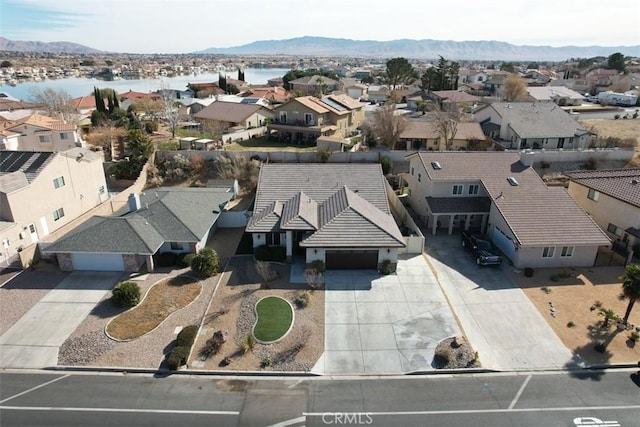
38	162
14	161
331	103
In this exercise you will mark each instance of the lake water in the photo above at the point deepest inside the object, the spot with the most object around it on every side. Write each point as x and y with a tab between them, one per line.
80	86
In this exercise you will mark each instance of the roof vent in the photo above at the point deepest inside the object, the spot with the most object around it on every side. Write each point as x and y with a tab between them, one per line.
512	181
634	181
436	165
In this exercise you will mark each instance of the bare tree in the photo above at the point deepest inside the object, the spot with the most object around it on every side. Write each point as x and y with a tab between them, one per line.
151	108
170	111
446	125
215	128
387	126
621	85
238	167
515	88
106	137
56	102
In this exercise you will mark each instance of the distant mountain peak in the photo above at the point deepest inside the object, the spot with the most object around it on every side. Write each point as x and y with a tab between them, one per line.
421	49
37	46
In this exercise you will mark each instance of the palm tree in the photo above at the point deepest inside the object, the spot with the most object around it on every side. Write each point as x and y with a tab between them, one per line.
631	288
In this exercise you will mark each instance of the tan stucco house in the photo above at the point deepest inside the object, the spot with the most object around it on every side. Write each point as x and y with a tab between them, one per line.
42	133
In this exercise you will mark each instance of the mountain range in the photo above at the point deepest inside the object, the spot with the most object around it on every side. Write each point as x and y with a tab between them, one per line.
421	49
53	47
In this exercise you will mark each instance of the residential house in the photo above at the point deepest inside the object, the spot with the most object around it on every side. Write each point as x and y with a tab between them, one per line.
315	85
377	94
9	140
338	214
472	76
177	220
424	135
612	198
41	191
561	95
234	115
274	95
453	100
517	125
43	133
205	90
306	118
495	84
501	195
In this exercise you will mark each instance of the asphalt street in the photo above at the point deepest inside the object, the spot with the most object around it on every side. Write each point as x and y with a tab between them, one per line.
605	398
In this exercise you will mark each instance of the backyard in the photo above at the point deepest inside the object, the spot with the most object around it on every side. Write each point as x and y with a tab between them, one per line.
264	144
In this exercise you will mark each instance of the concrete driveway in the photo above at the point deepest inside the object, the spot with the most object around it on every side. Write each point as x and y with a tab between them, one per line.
501	323
384	324
33	341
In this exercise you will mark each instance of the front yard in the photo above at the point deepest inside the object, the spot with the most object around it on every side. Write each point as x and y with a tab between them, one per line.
571	305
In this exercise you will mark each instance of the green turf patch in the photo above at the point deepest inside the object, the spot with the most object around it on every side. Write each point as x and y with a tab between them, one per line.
274	318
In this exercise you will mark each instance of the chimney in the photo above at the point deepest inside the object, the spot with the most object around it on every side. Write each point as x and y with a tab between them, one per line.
526	158
134	202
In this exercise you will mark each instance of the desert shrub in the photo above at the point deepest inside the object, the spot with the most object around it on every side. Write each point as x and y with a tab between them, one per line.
184	259
166	259
150	127
213	344
317	265
443	357
248	343
187	336
570	324
270	253
176	168
126	294
266	361
302	299
178	357
205	263
617	116
387	165
528	272
590	164
634	336
386	267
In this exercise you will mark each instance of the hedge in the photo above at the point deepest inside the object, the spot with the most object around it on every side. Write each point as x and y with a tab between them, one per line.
178	357
270	253
187	336
126	294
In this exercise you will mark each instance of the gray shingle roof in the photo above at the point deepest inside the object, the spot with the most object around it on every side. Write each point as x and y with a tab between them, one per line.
536	214
346	203
538	119
617	183
166	215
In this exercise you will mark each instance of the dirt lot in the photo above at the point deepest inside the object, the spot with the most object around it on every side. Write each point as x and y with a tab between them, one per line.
232	310
623	129
572	299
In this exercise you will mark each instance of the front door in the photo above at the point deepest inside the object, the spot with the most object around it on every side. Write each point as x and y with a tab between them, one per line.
33	232
560	143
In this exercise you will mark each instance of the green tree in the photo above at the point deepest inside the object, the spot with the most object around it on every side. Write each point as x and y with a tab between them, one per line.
616	61
399	72
631	288
240	75
205	263
533	66
443	76
6	64
508	67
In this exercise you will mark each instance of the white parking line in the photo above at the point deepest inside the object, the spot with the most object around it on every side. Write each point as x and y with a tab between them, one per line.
34	388
519	393
124	410
489	411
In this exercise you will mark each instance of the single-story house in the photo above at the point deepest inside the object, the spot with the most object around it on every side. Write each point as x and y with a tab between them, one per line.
162	220
338	214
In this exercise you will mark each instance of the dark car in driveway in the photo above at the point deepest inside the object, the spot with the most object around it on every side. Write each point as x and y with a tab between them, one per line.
481	249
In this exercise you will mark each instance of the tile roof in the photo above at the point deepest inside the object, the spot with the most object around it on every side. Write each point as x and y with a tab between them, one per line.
346	204
538	119
421	129
537	214
455	96
166	215
232	112
622	184
45	122
10	105
315	80
139	95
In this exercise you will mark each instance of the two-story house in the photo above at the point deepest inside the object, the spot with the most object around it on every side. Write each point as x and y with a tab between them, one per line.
517	125
612	198
41	191
306	118
234	115
500	195
315	85
43	133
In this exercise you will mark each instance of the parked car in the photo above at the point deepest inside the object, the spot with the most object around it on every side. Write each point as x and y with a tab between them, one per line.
481	249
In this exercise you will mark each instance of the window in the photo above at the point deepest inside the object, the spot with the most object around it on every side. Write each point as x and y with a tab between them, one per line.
308	119
419	177
101	189
614	229
273	239
412	171
64	135
44	139
283	117
458	189
566	252
548	251
593	195
57	214
474	189
176	246
58	182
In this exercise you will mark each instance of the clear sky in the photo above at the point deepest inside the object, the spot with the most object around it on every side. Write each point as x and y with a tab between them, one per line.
182	26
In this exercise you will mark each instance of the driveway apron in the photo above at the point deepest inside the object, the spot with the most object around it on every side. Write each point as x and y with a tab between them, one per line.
33	341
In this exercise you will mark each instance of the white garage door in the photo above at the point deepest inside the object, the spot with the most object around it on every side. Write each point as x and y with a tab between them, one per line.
97	262
504	243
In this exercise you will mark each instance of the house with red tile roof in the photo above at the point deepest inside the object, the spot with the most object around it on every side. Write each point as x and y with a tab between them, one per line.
43	133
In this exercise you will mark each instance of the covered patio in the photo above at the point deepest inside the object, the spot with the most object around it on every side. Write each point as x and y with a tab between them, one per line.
458	212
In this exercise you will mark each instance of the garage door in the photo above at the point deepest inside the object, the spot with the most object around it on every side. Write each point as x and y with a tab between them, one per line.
97	262
351	260
504	243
